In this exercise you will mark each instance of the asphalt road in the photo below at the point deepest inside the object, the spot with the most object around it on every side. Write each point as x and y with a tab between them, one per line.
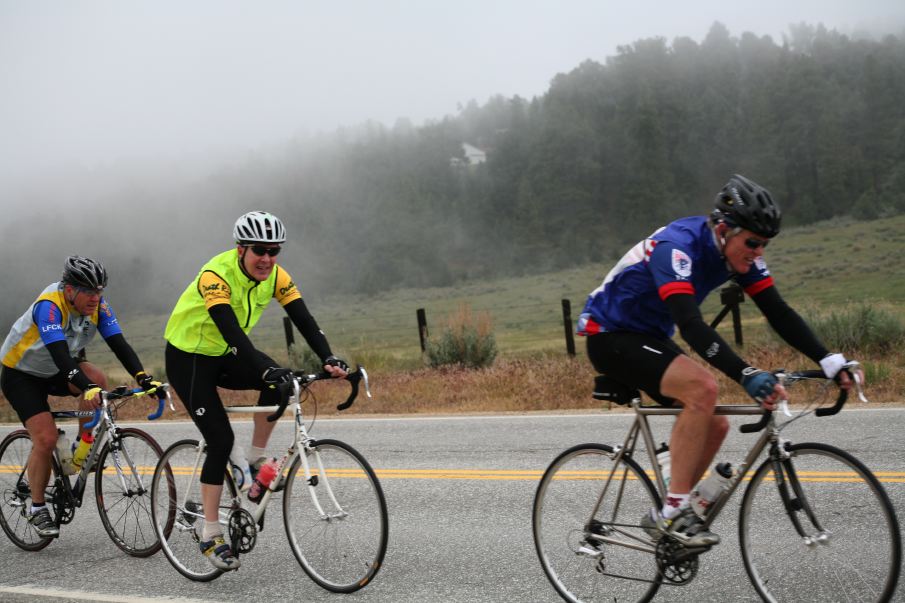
460	528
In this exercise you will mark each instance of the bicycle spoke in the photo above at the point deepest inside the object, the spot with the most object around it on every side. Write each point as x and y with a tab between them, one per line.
856	559
123	499
580	566
337	528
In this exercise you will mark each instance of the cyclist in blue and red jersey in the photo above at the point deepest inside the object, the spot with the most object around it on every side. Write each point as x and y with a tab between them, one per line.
629	321
208	347
44	355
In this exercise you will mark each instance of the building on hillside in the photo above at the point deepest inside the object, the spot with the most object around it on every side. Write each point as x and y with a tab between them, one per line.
472	156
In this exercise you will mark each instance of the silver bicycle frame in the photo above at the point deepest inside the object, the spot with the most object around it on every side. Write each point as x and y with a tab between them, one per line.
641	426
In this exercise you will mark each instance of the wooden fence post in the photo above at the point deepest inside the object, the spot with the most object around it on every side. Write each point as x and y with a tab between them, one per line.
422	328
567	324
290	335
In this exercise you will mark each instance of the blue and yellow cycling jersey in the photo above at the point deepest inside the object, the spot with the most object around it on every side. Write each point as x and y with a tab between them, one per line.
50	318
682	257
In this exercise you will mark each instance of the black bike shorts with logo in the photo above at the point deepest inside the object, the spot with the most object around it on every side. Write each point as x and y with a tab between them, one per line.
635	359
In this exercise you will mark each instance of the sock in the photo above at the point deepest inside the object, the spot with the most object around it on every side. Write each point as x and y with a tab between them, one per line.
36	507
210	529
254	453
674	504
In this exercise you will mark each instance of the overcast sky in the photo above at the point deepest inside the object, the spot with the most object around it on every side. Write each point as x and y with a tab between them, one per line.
90	83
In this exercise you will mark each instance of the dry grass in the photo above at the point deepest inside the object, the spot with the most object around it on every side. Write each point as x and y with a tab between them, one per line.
538	383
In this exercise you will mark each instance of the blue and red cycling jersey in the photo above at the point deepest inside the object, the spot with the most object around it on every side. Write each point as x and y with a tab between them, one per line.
682	257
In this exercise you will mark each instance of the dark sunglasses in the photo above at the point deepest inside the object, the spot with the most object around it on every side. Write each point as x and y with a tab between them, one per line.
261	250
753	243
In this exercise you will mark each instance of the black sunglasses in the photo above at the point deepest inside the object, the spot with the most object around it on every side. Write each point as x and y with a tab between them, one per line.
261	250
753	243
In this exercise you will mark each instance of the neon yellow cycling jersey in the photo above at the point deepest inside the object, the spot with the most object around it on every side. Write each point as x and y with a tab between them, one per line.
222	281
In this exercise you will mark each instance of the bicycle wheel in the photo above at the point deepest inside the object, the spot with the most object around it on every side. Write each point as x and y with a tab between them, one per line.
176	483
123	491
15	493
856	552
336	522
581	567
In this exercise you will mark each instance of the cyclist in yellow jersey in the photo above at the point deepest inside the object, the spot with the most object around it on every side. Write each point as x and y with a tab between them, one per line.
208	346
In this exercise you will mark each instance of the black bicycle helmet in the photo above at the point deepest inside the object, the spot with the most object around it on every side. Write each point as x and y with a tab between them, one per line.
84	272
747	205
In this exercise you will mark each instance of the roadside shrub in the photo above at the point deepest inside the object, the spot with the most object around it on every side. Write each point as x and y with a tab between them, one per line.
466	341
302	358
859	329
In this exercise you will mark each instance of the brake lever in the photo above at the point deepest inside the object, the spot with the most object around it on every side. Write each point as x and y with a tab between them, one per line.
859	387
364	376
783	404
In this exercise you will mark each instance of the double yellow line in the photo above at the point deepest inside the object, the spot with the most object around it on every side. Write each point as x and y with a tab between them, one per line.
886	477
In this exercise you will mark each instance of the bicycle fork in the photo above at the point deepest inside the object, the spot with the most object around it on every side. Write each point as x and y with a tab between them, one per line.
795	501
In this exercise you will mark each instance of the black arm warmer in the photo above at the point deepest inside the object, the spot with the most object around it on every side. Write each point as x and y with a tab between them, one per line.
124	353
788	324
59	351
235	337
702	338
307	326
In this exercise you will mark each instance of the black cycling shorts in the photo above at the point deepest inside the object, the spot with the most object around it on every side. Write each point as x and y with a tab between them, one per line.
195	377
635	359
27	394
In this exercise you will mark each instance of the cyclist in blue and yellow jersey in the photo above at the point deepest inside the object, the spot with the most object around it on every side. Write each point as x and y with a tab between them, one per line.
629	321
208	346
44	355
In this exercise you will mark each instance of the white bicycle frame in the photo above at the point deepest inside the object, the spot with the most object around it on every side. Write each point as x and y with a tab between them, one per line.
301	441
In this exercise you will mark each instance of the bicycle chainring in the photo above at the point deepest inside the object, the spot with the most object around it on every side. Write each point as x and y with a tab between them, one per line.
677	564
243	533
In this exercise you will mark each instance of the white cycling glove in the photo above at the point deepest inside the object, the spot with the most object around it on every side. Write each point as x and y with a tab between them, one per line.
832	364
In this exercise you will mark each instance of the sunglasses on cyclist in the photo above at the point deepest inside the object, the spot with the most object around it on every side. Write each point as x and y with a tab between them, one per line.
261	250
754	243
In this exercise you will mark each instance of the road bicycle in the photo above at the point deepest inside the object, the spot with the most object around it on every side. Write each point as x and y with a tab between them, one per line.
122	460
334	510
813	521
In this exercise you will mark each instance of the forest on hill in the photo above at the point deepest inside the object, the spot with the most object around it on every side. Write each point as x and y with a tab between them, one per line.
611	151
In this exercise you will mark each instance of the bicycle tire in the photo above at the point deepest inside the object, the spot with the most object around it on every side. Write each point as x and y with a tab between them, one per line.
860	559
123	496
15	494
172	480
561	522
343	549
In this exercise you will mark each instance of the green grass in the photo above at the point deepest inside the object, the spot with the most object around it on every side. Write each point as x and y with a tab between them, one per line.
821	266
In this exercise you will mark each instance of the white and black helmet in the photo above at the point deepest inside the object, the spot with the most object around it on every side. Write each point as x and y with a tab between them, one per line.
84	272
259	227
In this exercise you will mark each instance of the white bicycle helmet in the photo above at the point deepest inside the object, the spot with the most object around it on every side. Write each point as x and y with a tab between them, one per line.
259	227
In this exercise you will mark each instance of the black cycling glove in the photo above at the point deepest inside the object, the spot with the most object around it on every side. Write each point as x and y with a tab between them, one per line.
275	375
337	362
146	381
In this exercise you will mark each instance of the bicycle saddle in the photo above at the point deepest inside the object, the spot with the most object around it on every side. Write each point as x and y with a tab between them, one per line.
612	390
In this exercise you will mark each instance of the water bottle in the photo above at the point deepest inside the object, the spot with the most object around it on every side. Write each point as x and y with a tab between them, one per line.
239	465
64	452
709	488
266	473
665	463
82	449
